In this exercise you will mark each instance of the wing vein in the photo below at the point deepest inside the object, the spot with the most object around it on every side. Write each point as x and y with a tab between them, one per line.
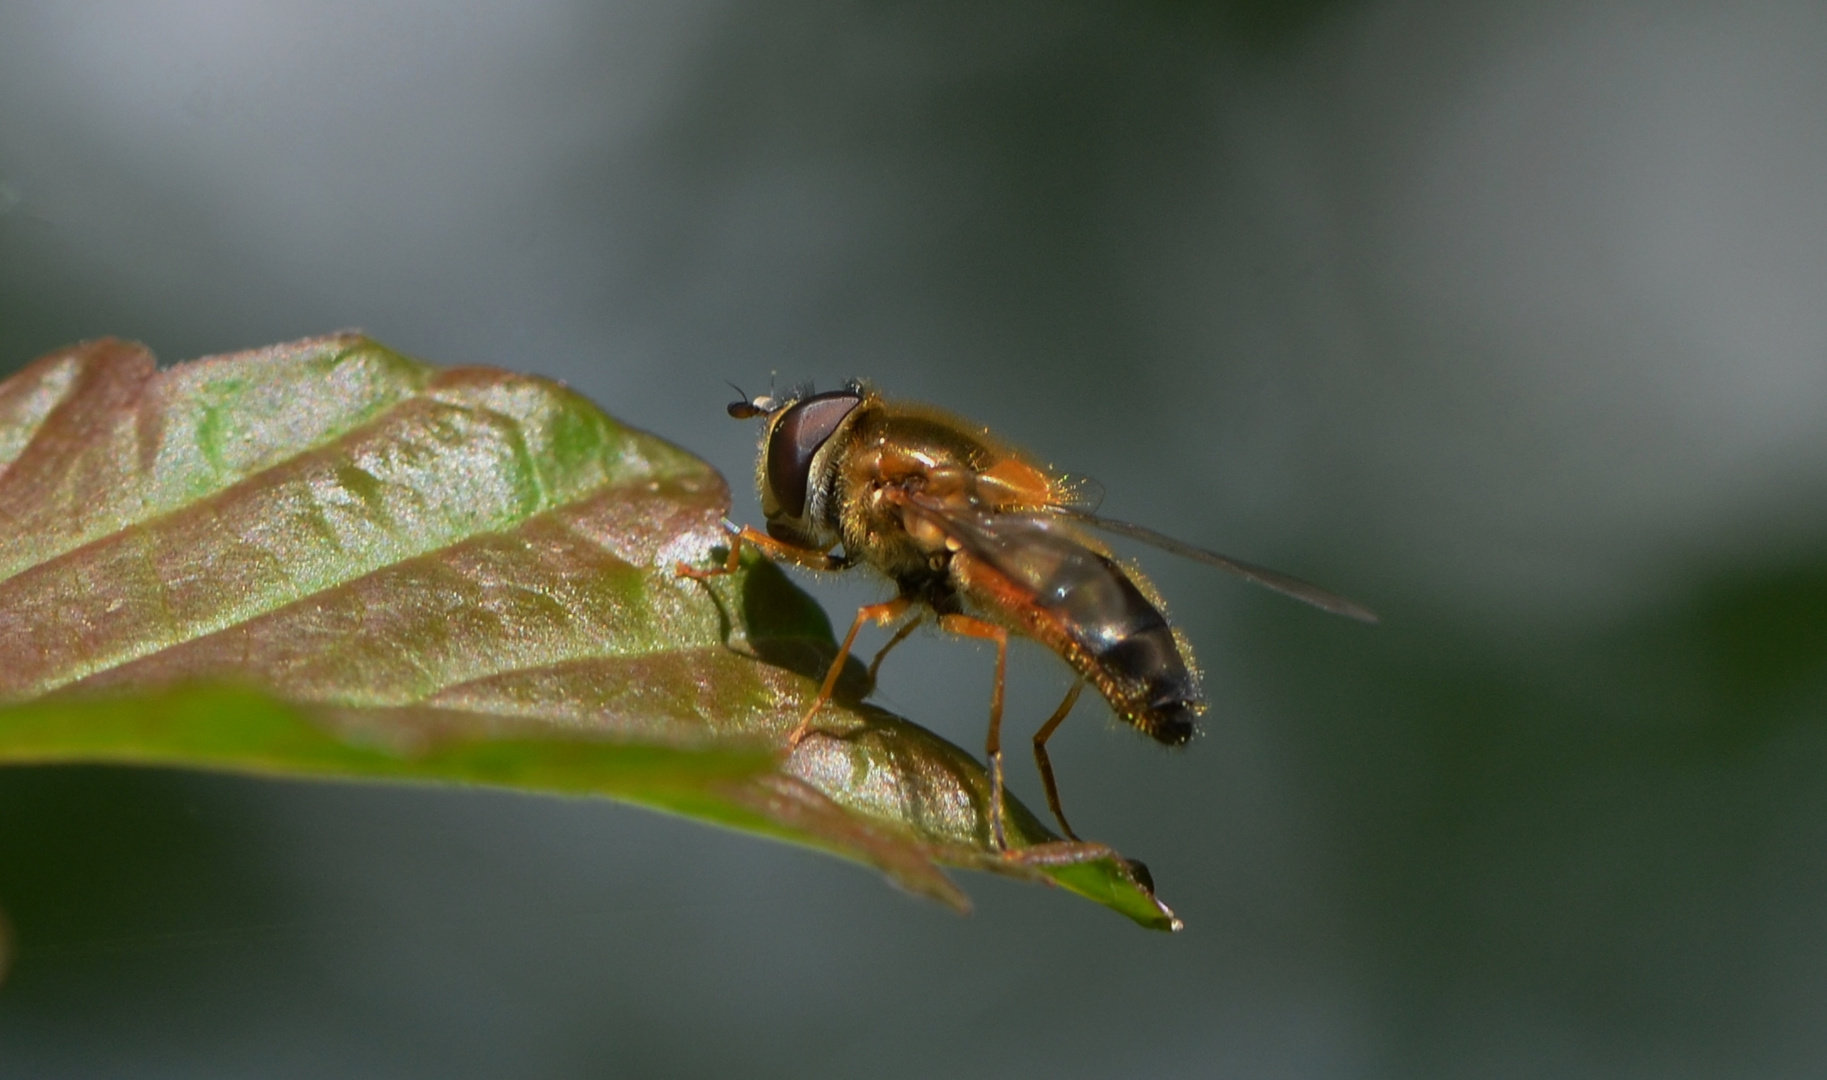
1286	584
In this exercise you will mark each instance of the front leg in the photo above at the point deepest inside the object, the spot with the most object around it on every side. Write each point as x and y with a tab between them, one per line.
810	558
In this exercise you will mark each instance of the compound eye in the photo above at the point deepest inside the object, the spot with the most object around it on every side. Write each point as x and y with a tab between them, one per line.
795	440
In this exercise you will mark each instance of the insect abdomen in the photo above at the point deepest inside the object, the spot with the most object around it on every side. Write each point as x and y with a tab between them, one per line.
1084	606
1133	654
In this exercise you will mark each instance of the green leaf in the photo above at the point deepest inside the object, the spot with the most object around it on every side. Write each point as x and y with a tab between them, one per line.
327	559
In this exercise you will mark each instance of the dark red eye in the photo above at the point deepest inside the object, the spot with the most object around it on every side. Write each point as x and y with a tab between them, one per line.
796	438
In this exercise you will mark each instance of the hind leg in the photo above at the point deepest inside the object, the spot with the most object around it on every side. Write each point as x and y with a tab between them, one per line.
1046	765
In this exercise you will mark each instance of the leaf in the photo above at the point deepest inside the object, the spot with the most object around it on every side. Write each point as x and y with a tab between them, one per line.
327	559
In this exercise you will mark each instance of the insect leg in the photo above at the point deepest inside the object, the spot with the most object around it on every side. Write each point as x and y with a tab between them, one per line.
810	558
900	635
1046	766
885	612
977	628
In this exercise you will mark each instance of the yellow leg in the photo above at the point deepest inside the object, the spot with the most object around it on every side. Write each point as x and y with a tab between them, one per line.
899	636
1046	765
977	628
882	613
810	558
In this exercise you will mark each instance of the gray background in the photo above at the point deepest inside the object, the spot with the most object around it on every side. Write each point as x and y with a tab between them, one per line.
1509	320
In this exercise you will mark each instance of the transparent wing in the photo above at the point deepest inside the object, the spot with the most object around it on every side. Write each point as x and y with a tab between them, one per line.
1304	591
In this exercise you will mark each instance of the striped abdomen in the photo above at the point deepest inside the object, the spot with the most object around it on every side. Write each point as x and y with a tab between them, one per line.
1148	679
1093	613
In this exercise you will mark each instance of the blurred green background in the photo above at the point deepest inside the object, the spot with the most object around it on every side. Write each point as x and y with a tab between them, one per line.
1508	320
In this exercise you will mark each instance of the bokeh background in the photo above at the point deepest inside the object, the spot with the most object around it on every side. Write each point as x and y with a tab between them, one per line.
1509	320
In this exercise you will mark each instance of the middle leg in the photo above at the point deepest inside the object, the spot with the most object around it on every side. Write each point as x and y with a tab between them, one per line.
900	635
882	613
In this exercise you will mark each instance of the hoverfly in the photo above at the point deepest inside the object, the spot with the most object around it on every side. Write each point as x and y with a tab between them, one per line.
989	543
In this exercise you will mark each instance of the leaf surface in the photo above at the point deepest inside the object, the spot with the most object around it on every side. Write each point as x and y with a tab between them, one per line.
327	559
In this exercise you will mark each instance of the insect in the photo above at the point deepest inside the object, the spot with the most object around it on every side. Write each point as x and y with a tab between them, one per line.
989	543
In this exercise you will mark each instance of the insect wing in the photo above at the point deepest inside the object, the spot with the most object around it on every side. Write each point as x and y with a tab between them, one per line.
1287	585
1029	549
